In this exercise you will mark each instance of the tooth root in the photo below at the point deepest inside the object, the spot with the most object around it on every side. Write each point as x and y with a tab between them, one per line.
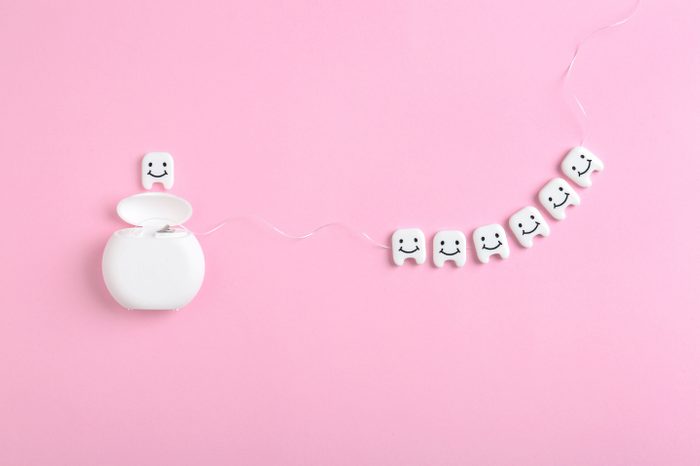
147	182
574	199
545	229
505	253
169	181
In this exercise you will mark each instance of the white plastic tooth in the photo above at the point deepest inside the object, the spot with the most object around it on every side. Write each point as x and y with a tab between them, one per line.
579	164
490	240
556	196
527	223
408	243
157	167
449	245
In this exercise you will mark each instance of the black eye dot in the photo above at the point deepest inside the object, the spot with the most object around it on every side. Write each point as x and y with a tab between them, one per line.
561	189
400	241
550	198
415	240
442	242
583	156
520	225
573	167
497	235
483	239
457	242
150	164
532	217
165	164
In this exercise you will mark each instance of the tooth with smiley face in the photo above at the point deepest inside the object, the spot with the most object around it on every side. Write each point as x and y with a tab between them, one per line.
527	223
490	240
157	167
579	164
408	243
556	196
449	245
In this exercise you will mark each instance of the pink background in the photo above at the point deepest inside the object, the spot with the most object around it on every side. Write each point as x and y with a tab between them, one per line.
582	351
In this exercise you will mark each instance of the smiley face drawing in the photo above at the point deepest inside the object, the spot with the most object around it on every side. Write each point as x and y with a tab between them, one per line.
579	164
408	243
527	223
490	240
157	167
449	245
556	196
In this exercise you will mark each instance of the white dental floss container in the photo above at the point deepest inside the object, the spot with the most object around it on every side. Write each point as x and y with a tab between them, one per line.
153	265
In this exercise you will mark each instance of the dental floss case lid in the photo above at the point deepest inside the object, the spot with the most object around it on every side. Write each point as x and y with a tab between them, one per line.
154	209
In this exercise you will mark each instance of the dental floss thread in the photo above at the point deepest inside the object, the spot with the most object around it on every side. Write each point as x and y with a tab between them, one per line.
283	233
569	69
582	126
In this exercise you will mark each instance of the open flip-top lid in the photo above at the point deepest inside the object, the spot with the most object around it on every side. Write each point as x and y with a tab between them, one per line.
154	209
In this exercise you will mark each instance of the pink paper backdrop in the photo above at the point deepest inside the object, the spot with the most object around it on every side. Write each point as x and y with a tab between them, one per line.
582	351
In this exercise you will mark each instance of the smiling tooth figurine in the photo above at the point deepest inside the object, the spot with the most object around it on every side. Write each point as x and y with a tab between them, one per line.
490	240
408	243
157	167
449	245
579	164
527	223
556	196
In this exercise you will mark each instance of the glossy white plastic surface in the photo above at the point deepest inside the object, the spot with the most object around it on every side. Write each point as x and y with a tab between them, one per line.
490	240
449	245
556	196
579	164
527	223
408	243
157	209
148	270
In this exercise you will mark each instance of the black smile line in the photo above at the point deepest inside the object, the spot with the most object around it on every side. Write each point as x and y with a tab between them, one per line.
562	202
408	252
491	249
157	176
587	168
537	224
450	253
